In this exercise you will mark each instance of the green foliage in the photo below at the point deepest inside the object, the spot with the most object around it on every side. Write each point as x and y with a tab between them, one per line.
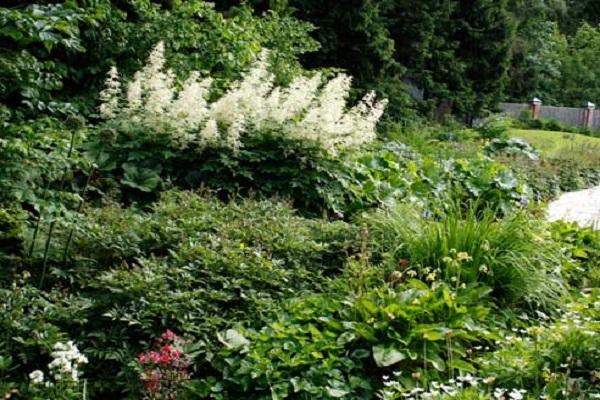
548	178
495	127
392	173
29	36
37	162
191	264
582	245
12	232
54	56
513	256
335	346
511	148
560	360
142	162
537	51
579	82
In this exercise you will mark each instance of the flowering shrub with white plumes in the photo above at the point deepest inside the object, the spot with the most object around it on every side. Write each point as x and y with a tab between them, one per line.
305	109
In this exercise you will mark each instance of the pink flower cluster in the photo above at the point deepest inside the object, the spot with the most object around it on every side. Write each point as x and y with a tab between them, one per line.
165	367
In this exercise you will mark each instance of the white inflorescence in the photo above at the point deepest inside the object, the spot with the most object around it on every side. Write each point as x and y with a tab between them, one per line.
302	110
66	362
37	377
110	94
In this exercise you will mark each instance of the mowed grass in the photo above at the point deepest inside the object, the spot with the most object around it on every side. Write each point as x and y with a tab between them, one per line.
553	144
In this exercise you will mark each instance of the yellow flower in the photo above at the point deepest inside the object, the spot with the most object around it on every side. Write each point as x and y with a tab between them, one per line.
463	256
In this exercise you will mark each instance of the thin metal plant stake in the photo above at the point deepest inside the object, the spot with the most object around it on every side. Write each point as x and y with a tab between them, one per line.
83	193
53	223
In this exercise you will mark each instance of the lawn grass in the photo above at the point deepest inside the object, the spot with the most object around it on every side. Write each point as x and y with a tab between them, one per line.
552	144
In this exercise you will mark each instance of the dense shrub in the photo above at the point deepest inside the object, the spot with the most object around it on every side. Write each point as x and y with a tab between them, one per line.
54	56
549	177
12	232
511	148
391	173
135	165
190	264
495	127
333	346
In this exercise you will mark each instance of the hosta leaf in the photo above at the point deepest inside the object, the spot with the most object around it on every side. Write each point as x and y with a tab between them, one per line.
385	356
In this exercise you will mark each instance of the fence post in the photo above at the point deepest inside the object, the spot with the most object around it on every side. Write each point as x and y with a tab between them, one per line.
588	115
536	108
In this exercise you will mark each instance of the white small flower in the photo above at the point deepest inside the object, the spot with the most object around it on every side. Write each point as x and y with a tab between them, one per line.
36	377
516	394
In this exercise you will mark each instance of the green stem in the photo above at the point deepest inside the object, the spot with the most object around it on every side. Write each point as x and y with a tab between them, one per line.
79	207
35	233
46	251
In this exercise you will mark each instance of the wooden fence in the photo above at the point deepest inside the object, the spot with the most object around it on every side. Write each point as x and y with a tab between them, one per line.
571	116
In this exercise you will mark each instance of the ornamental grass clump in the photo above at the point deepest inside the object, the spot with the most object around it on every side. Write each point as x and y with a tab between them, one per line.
514	256
305	109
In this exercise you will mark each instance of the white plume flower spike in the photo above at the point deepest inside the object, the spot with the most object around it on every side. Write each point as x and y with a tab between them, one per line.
134	94
303	110
110	95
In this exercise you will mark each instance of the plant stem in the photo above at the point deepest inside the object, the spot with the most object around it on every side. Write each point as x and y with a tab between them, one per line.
79	207
35	233
46	251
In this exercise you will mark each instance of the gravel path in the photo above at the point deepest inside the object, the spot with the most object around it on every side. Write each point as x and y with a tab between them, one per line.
582	207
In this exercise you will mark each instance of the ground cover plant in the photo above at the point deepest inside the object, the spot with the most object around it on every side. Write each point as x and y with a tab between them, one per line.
188	212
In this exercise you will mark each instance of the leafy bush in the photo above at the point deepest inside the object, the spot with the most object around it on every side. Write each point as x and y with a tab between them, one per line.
191	264
54	55
549	177
12	232
332	346
558	360
391	173
495	127
39	157
135	164
511	148
582	245
513	256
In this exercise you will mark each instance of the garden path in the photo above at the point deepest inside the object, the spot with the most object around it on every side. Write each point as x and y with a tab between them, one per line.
582	207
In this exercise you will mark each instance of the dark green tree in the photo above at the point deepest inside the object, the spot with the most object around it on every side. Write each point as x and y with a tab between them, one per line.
457	51
483	31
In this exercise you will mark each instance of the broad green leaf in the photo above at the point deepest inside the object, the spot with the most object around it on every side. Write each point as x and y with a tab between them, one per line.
385	356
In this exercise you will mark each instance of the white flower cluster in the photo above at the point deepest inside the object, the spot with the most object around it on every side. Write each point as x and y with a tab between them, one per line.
37	377
305	109
66	361
64	367
394	389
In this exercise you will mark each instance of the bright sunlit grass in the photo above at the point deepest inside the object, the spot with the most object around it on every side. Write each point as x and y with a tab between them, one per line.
554	143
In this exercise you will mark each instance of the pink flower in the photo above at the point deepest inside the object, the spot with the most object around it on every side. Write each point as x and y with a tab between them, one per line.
165	358
154	356
142	358
166	349
168	335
